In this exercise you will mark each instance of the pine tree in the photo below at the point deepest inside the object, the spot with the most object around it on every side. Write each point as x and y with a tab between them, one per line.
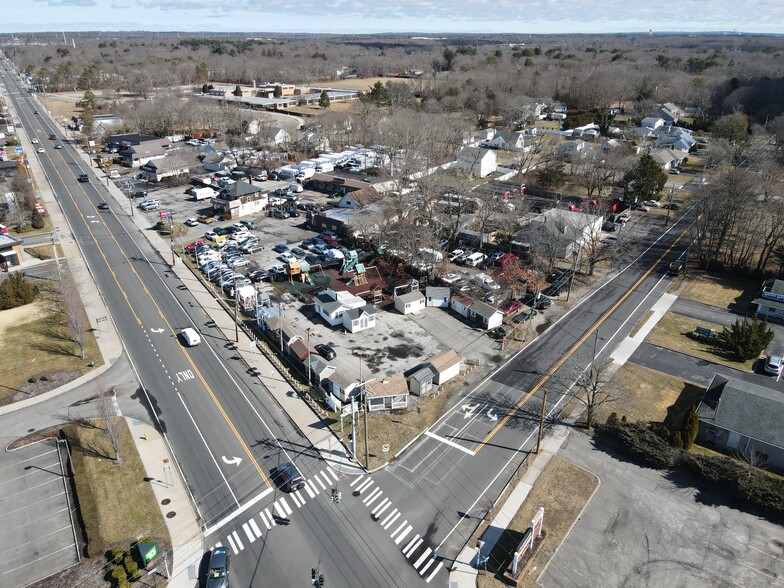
746	339
324	99
691	426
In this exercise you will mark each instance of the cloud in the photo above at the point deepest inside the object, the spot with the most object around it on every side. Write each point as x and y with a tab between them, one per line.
67	3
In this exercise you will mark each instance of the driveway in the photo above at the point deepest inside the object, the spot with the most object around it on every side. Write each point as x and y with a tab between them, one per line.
643	529
38	537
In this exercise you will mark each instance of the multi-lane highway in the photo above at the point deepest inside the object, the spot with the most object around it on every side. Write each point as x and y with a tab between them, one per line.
407	523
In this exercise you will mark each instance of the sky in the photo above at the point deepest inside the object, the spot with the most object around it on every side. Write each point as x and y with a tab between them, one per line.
376	16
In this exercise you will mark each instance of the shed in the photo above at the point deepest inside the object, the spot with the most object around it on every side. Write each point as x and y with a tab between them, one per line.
446	365
387	394
460	303
410	302
437	296
487	316
420	382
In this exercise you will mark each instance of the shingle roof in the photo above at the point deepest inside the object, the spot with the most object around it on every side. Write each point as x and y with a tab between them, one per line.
328	304
355	313
745	408
387	387
411	296
444	359
483	309
239	189
437	292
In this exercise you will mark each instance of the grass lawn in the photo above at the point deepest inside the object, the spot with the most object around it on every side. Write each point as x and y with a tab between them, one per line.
117	505
673	332
33	342
721	291
366	83
316	110
395	428
644	394
563	490
44	251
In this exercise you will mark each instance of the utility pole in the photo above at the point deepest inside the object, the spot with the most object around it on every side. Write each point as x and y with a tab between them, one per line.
56	258
541	421
353	432
171	235
365	413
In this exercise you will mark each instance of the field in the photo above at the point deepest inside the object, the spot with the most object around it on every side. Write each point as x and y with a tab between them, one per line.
721	291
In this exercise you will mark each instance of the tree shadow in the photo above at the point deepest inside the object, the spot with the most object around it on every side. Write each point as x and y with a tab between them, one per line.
676	412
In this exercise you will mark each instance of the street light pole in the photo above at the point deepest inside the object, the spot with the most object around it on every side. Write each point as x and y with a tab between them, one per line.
308	332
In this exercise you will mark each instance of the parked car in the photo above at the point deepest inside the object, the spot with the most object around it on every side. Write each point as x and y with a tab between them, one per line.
510	306
249	224
640	207
505	259
257	275
652	203
139	194
41	150
251	249
280	248
671	206
34	141
211	235
325	351
192	222
774	365
281	214
218	570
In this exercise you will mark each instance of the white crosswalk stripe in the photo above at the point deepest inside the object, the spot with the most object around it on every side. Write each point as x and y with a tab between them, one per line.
279	511
231	544
413	546
403	535
333	474
435	571
400	528
298	495
255	528
381	507
423	557
248	532
270	517
312	487
389	516
237	539
323	487
309	491
372	496
429	563
296	501
326	477
365	485
356	480
285	506
392	520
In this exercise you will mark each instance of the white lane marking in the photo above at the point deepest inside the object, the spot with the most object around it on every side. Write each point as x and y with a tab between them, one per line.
233	547
323	487
412	546
285	505
381	507
423	557
248	532
326	477
255	528
372	496
427	565
358	478
389	516
333	474
238	540
309	491
403	535
390	523
400	528
365	485
450	443
237	512
299	496
435	571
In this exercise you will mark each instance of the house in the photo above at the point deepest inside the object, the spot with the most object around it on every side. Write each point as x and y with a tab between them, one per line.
508	140
10	250
136	149
360	319
669	158
669	113
273	136
611	144
437	296
160	169
460	303
445	364
652	122
477	162
484	314
340	307
359	198
216	147
320	369
241	199
391	393
341	387
675	138
743	418
486	135
570	148
578	227
309	141
298	347
410	302
219	161
770	302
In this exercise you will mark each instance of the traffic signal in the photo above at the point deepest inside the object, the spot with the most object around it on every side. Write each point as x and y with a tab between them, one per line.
313	574
320	583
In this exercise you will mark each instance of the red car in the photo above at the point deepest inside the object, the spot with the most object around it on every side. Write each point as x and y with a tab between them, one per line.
505	258
510	306
191	246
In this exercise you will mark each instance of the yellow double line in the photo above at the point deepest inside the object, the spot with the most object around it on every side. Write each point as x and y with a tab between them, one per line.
163	317
579	342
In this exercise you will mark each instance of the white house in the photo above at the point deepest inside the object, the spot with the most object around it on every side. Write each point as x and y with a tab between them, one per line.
360	319
652	122
332	305
460	303
508	140
437	296
478	162
486	315
410	302
155	171
578	227
486	135
217	161
273	136
389	393
770	304
669	158
570	147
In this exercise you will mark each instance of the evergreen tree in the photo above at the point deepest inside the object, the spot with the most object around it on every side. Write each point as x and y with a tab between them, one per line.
324	99
644	181
746	339
691	426
16	291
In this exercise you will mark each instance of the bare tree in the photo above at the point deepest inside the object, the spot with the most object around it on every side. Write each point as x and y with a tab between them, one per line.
110	421
592	388
70	303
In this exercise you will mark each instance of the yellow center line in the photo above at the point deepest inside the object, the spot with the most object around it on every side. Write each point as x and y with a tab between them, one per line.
161	314
579	342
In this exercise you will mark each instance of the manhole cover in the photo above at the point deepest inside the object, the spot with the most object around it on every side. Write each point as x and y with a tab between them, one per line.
165	501
356	493
171	514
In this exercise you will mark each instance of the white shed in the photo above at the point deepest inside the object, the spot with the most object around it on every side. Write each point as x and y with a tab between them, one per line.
437	296
410	302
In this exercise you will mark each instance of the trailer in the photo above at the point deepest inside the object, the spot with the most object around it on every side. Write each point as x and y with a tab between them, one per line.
202	194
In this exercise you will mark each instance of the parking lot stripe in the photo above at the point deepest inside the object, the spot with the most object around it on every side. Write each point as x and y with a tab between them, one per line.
27	507
403	535
389	516
426	566
434	572
29	563
391	522
413	546
231	543
309	491
381	507
35	470
285	505
39	537
450	443
377	492
27	490
358	478
425	554
255	528
16	463
248	532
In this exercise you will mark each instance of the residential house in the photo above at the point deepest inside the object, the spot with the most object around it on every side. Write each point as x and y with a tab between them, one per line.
446	365
273	136
487	316
511	141
390	393
218	161
675	138
478	162
460	303
341	387
241	199
136	149
669	158
340	307
611	144
770	302
309	141
576	226
486	135
410	303
320	369
743	418
359	198
437	296
669	113
652	122
160	169
356	320
298	347
216	147
571	149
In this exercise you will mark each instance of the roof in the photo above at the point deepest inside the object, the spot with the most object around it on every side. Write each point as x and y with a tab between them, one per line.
463	299
355	313
364	196
9	241
300	349
474	154
341	380
239	189
317	364
328	304
437	292
483	309
131	138
745	408
767	302
445	359
389	386
423	374
411	296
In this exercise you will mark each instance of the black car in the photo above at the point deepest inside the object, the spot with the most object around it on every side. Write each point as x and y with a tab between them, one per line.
325	351
103	206
84	178
218	572
139	194
553	291
249	223
288	477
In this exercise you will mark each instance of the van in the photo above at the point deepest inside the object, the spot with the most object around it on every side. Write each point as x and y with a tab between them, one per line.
474	259
190	336
289	477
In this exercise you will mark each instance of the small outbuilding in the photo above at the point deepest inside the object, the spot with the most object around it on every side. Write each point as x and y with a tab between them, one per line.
391	393
410	302
437	296
446	366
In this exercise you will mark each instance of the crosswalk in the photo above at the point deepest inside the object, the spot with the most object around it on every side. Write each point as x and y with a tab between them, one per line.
391	519
278	512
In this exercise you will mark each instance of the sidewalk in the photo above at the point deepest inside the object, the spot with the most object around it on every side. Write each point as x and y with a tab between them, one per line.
464	571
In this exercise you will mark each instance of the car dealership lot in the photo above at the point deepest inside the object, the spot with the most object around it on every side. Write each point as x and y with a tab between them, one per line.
38	538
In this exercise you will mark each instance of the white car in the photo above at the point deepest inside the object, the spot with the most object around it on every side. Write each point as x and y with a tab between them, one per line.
192	222
41	150
190	336
455	254
34	141
451	278
652	203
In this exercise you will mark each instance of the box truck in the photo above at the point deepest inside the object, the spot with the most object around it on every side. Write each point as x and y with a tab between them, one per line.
202	193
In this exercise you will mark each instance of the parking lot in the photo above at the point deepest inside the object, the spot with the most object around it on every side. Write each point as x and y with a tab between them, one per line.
38	538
